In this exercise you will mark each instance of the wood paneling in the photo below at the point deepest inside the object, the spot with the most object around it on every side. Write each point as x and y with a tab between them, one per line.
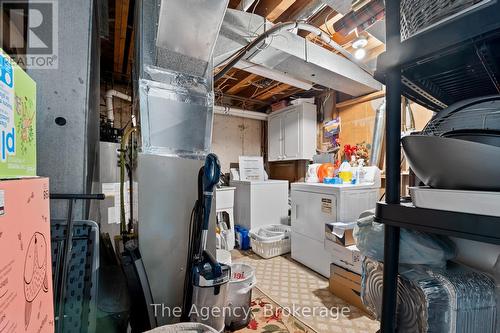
358	119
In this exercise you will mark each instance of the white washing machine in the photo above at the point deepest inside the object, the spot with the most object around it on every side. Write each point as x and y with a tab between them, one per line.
258	203
314	205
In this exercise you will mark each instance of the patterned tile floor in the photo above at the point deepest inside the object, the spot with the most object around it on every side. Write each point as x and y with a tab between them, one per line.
292	285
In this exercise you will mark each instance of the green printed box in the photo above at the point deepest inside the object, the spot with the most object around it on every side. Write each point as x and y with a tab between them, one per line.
17	121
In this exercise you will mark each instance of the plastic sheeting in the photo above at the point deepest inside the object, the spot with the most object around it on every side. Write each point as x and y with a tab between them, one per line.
454	299
416	247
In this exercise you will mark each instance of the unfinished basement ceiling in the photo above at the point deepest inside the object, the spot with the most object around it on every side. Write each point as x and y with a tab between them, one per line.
238	87
292	55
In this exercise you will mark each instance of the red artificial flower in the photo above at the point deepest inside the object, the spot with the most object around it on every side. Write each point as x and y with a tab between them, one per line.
276	316
253	325
263	304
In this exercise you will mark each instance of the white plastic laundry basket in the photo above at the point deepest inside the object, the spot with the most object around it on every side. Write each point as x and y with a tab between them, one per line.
271	249
271	232
272	245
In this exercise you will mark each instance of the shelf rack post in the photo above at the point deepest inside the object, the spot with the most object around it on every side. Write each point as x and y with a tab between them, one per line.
392	165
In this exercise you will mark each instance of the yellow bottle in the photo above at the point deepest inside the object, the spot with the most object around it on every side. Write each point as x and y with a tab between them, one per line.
345	172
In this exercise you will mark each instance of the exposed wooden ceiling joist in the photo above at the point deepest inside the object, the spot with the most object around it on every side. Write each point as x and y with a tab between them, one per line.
272	9
374	52
234	3
131	54
245	82
251	86
293	10
271	91
121	21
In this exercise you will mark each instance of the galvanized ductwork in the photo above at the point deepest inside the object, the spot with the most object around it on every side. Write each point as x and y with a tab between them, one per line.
175	39
291	54
175	86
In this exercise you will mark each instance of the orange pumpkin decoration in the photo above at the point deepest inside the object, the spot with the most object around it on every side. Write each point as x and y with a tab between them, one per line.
326	170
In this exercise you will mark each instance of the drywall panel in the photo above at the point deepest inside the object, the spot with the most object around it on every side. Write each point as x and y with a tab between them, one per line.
235	136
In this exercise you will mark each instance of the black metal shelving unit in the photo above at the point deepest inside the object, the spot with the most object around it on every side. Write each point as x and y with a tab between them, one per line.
452	60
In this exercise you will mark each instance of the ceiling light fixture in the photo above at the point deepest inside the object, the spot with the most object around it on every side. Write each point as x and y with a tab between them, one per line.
359	53
360	42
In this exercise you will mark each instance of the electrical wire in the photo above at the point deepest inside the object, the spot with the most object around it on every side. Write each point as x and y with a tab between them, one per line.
253	12
326	22
325	37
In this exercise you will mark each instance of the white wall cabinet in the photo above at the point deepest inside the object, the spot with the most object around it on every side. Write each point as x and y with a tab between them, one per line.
292	133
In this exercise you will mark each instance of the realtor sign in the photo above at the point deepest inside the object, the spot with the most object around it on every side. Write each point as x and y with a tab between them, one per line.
28	31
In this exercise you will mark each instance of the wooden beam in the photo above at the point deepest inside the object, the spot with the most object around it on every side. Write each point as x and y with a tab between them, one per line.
292	11
285	94
131	54
234	3
120	34
280	9
374	52
242	84
272	9
361	99
273	91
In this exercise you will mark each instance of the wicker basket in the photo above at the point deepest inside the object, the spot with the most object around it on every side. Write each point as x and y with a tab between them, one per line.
417	15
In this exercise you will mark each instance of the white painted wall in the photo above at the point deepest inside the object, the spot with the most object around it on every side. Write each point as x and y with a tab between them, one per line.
233	137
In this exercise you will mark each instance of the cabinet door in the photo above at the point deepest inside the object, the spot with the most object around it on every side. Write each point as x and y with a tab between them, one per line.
274	135
291	137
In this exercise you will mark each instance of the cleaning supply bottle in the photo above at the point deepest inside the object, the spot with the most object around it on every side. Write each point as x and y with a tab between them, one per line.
345	172
360	172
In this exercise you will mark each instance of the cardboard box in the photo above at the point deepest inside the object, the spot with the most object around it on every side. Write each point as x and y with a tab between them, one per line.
346	285
17	121
340	233
347	257
26	296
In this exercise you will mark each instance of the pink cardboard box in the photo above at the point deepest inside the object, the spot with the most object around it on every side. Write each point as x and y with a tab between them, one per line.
26	296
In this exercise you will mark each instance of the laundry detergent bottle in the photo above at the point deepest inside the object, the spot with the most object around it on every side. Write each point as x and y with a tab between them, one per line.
345	172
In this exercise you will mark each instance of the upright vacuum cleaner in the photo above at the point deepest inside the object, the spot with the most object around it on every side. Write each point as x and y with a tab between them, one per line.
205	285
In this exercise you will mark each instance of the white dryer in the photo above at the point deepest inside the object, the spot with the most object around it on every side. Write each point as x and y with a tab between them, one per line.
314	205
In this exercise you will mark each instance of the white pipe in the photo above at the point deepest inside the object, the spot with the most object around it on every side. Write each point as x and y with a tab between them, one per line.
230	111
109	102
273	74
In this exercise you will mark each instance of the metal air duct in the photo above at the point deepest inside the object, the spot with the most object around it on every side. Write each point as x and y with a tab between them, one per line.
292	55
175	84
